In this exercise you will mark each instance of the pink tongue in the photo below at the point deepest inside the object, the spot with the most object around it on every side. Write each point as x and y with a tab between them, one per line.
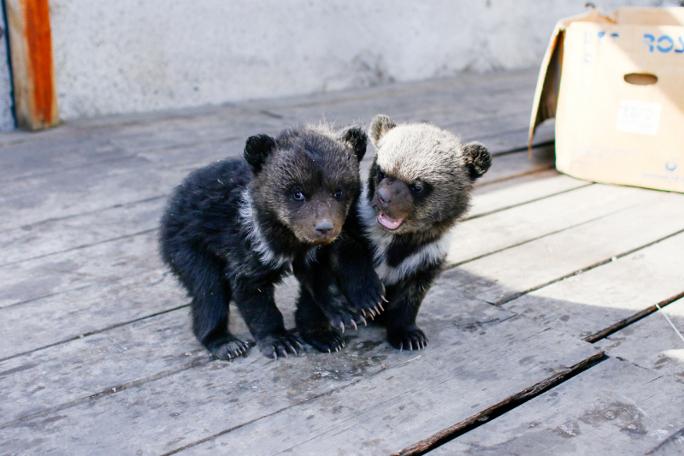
388	222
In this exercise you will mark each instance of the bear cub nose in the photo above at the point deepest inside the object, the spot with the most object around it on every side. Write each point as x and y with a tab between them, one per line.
384	195
324	227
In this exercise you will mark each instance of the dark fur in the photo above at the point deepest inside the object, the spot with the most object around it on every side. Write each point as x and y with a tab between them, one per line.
429	210
339	288
213	249
429	204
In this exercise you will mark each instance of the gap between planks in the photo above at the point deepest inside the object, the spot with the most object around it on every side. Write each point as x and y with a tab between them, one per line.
143	380
109	327
490	413
498	302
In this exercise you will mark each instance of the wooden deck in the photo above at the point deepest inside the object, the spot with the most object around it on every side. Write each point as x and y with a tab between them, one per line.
544	333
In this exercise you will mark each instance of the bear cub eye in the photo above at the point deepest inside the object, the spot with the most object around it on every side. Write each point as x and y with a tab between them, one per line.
297	195
416	188
380	175
338	194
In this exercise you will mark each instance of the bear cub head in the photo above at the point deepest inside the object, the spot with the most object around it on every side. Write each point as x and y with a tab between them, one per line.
422	177
306	179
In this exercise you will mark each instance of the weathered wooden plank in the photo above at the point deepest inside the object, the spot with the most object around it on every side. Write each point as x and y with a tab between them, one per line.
597	299
33	73
545	260
391	410
614	408
151	173
81	311
188	405
122	354
88	141
78	231
517	164
523	189
79	144
60	317
525	222
33	279
651	342
99	265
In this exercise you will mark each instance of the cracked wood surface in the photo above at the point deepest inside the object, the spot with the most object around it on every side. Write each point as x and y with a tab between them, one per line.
99	357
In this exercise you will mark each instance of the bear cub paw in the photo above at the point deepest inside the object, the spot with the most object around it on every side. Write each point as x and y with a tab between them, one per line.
365	296
279	345
228	348
324	340
412	338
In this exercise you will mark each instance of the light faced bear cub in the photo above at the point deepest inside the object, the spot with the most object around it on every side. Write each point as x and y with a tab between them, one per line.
233	229
419	185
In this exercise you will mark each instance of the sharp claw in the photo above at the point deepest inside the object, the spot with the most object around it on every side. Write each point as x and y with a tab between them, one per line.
381	307
384	299
299	344
364	321
401	346
329	351
354	325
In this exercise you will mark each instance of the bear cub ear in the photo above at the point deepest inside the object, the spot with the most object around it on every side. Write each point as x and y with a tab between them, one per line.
257	150
477	159
357	140
380	125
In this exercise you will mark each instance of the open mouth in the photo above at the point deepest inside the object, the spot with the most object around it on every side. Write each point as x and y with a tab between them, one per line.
389	222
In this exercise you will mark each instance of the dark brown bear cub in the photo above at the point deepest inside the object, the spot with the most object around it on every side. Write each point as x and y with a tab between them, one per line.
418	187
233	229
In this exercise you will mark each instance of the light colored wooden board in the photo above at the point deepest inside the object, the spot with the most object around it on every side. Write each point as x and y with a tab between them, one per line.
80	311
521	190
147	174
364	383
80	230
98	263
529	221
589	302
89	141
98	186
61	234
517	164
614	408
68	314
651	342
124	354
77	232
391	410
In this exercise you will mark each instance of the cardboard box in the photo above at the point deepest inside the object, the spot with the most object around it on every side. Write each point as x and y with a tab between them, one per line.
615	84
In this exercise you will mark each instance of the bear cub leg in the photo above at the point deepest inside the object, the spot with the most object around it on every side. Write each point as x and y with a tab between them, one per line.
257	306
314	326
203	277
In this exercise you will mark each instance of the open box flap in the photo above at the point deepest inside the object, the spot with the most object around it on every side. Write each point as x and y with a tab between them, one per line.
548	81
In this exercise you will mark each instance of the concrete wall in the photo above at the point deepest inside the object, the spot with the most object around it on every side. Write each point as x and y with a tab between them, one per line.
6	120
141	55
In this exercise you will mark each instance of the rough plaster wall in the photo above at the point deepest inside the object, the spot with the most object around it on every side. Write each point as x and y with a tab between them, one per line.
6	120
141	55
